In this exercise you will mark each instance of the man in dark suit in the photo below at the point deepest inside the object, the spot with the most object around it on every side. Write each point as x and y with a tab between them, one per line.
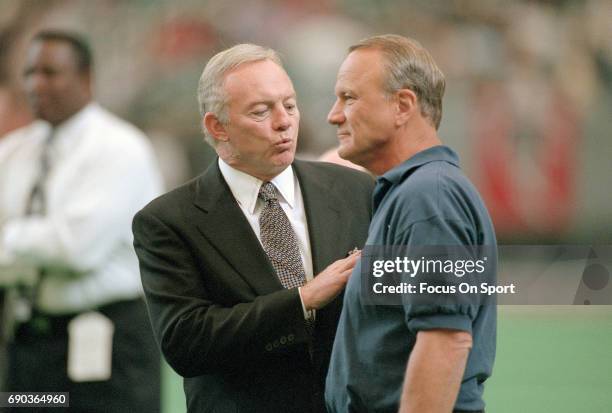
242	267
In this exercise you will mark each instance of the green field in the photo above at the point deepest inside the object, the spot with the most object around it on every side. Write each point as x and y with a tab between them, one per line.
549	359
552	359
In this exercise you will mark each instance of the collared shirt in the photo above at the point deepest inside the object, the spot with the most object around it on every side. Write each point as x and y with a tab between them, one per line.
425	201
245	189
102	172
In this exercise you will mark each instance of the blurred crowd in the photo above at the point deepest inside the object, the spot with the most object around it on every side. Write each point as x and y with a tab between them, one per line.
529	85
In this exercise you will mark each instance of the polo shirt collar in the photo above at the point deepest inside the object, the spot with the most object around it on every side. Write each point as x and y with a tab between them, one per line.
245	187
435	153
396	175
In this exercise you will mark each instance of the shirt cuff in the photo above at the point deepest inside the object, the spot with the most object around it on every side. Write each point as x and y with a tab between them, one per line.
308	314
441	321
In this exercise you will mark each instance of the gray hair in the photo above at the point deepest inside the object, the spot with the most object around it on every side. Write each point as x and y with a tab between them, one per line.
410	66
211	95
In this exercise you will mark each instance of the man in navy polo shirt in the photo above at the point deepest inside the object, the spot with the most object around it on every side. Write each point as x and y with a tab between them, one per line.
427	358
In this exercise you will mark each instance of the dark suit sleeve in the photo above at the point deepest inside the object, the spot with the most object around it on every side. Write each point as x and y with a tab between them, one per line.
196	335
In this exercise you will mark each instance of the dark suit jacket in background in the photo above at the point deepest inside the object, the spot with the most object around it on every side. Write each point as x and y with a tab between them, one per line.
219	312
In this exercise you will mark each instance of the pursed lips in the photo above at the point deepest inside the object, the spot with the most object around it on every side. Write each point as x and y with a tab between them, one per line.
284	144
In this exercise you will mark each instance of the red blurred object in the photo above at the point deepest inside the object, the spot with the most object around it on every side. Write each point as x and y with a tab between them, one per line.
533	194
182	39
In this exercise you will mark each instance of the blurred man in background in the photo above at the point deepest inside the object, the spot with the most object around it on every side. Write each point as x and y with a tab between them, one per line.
415	358
70	184
243	266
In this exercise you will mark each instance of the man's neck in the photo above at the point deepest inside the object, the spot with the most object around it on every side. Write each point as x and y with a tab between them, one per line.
71	116
404	146
265	177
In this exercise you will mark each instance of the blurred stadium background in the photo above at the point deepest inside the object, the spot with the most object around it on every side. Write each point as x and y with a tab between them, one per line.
528	107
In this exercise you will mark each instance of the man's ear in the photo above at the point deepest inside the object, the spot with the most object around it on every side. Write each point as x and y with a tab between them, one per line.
407	105
214	127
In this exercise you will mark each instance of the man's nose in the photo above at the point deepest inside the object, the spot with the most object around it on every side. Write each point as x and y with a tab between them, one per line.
336	115
282	119
35	83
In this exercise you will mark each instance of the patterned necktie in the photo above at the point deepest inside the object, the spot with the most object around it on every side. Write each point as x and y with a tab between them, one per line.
25	306
37	201
280	243
279	240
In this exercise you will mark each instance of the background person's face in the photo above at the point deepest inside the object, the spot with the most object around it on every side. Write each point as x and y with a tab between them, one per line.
263	119
363	114
55	87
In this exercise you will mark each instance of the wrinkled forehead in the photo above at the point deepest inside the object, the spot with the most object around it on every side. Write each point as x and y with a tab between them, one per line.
361	67
262	79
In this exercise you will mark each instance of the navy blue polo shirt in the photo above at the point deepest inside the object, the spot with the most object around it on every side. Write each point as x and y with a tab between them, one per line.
426	200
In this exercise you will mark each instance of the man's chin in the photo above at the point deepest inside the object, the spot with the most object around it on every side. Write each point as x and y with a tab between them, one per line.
284	159
47	116
347	153
40	113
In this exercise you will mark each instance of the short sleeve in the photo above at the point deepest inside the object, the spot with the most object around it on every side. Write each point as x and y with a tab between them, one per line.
436	234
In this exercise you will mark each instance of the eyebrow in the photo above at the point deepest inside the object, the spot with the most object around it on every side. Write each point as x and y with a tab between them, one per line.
271	101
339	91
28	70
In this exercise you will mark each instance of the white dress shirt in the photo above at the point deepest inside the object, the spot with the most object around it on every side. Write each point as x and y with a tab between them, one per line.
102	172
245	189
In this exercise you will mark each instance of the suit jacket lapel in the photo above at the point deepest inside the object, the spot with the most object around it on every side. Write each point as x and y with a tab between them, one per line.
323	215
227	229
